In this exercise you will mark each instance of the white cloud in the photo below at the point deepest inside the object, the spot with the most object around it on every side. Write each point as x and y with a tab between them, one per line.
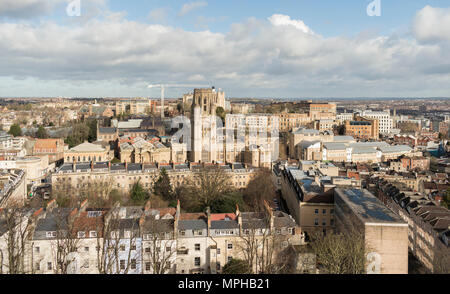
158	14
188	7
432	24
285	20
254	58
26	8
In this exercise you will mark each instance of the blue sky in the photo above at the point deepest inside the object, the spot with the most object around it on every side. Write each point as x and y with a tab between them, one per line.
295	48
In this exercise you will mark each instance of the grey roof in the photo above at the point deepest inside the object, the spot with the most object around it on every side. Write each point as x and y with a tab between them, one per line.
100	165
334	146
66	166
282	219
306	131
195	224
224	224
367	207
254	220
368	144
397	148
105	130
306	144
134	166
343	138
152	225
118	166
363	150
53	221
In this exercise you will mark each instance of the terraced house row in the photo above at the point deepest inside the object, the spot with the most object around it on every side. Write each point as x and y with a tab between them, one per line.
122	176
144	240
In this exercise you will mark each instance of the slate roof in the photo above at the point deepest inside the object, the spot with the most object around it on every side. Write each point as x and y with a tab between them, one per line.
87	147
195	224
224	224
107	130
367	207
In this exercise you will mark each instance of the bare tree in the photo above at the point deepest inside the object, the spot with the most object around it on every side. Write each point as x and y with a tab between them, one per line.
342	253
263	246
15	230
160	244
67	239
205	187
261	188
116	242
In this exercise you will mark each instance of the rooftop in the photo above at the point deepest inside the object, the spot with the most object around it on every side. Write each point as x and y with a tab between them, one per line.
367	207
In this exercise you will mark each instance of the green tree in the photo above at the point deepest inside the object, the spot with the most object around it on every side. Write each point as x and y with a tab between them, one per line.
92	130
180	107
42	133
227	203
163	187
220	112
79	134
236	267
138	195
15	130
446	200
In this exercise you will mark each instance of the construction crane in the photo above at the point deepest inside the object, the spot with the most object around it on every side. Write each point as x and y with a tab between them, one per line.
163	87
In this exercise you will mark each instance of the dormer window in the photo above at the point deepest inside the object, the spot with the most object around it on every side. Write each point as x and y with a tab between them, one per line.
93	234
81	234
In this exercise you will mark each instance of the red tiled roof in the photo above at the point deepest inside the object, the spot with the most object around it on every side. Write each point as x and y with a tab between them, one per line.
192	216
222	216
47	143
167	210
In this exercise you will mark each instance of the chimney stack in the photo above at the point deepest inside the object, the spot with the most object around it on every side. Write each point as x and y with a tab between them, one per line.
83	205
109	165
208	215
177	218
239	218
51	205
147	206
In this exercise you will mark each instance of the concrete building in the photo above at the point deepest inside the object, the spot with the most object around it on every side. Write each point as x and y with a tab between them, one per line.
13	188
385	233
362	128
309	200
385	123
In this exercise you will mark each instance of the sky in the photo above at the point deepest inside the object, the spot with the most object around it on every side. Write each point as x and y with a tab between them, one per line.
248	48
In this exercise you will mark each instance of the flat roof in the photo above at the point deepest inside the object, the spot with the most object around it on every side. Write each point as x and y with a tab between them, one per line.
368	208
